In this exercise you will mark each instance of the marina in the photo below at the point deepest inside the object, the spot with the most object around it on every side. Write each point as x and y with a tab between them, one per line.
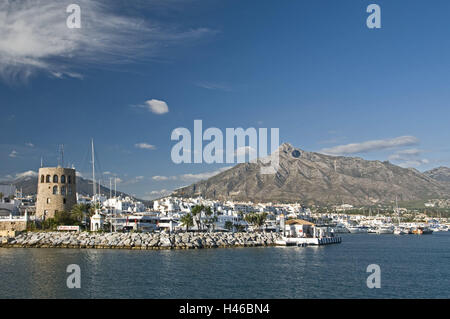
332	271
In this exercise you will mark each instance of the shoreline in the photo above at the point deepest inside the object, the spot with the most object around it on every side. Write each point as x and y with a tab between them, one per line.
140	241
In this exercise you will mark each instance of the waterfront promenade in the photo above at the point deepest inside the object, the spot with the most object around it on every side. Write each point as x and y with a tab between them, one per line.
141	241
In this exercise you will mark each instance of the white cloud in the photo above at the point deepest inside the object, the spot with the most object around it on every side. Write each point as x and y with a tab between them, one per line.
35	37
213	86
163	178
191	177
157	193
373	145
157	106
246	151
413	163
405	154
13	154
201	176
408	158
145	146
29	144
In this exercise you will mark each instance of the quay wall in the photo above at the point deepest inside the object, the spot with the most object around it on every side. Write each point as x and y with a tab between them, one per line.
12	225
142	241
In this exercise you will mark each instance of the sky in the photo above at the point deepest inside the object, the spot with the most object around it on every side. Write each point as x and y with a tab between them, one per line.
137	70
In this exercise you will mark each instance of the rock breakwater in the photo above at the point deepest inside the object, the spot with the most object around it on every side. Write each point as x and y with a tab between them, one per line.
141	241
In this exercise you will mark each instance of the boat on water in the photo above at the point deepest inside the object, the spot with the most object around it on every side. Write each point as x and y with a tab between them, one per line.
422	231
400	231
358	229
371	230
385	230
339	229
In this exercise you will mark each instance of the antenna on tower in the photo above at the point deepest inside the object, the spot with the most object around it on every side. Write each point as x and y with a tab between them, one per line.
61	155
42	162
93	170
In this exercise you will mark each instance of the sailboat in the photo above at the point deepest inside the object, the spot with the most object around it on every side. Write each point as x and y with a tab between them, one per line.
399	230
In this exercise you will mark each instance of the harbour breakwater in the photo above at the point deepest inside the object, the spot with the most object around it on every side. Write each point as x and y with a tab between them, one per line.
141	241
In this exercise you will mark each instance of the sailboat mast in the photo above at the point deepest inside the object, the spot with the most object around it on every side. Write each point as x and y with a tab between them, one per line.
93	170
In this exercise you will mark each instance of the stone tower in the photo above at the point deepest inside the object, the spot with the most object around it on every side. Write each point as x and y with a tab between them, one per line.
56	191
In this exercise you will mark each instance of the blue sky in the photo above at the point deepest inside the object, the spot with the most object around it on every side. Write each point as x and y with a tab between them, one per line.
311	68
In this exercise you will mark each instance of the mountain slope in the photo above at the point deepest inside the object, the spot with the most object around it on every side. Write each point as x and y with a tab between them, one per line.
321	179
441	174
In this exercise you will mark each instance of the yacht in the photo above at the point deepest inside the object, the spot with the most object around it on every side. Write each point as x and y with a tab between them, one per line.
385	230
357	229
400	231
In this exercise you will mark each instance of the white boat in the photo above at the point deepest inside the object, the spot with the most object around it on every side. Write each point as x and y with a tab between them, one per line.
358	229
385	230
400	231
340	229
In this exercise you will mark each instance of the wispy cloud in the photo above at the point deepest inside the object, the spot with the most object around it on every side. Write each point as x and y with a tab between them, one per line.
191	177
145	146
213	86
163	178
409	158
29	144
157	193
405	154
35	37
369	146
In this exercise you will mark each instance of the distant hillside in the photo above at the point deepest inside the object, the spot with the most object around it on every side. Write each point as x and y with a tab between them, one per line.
441	174
310	177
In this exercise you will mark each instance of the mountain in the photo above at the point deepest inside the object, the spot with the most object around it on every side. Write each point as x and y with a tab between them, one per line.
441	174
314	178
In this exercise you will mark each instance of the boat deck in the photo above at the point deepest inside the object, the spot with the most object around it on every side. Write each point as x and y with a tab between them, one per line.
293	241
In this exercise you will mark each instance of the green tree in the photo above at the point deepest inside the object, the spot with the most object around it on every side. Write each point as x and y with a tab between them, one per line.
228	225
197	215
256	220
1	196
187	221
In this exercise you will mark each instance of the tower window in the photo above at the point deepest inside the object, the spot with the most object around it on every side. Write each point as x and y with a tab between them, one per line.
63	190
55	178
69	179
42	178
63	179
55	190
47	179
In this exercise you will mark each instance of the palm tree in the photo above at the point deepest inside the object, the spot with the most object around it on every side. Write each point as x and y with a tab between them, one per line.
256	220
79	210
197	214
228	225
187	221
261	219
